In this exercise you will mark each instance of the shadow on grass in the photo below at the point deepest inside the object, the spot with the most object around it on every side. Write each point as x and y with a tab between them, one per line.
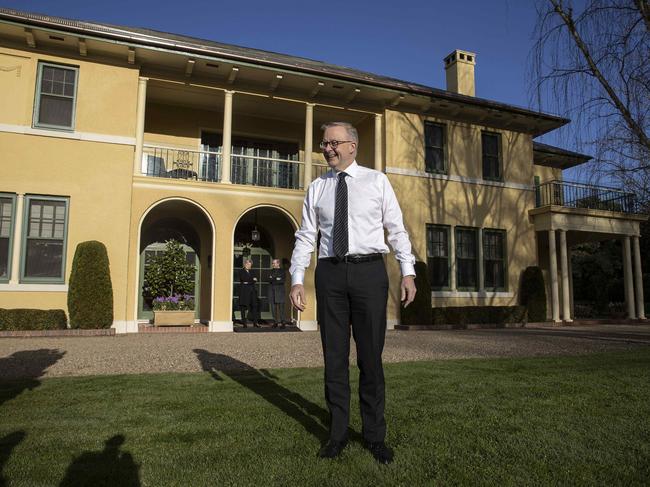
7	444
311	416
20	370
109	467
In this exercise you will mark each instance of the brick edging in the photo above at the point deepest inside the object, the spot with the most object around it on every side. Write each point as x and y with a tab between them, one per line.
57	333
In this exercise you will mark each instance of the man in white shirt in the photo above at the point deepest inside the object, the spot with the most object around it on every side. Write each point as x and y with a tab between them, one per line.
351	206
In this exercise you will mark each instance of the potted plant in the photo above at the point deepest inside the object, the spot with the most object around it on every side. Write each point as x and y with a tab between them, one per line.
168	280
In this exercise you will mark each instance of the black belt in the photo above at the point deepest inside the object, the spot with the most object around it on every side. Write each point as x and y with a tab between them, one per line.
356	258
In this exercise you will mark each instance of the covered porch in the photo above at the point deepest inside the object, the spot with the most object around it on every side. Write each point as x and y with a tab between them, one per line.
568	214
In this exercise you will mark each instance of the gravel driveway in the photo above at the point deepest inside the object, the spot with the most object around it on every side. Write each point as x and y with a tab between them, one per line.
160	353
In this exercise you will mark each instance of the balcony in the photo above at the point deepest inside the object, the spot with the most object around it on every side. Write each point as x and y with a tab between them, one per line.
206	166
577	195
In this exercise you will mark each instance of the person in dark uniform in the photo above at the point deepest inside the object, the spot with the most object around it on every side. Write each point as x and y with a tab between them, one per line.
276	293
248	293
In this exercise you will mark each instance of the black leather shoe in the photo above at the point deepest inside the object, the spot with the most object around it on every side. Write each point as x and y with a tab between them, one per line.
380	451
257	325
332	449
244	325
275	325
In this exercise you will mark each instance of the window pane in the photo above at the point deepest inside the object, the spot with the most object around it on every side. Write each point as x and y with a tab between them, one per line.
434	142
54	110
4	258
438	256
6	209
433	135
494	259
435	160
44	258
467	276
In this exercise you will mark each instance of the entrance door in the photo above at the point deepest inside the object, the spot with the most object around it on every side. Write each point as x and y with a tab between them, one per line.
144	304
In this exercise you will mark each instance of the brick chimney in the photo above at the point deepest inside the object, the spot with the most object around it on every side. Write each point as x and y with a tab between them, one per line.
459	68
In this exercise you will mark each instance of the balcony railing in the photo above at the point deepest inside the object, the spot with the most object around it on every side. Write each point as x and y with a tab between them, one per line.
168	162
578	195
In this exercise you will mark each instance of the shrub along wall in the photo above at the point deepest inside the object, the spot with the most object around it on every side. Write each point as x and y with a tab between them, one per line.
466	315
533	293
32	319
90	295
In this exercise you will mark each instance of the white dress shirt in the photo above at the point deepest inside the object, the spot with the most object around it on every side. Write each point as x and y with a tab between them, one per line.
372	206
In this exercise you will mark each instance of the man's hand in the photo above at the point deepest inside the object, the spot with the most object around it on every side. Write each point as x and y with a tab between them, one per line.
297	296
408	290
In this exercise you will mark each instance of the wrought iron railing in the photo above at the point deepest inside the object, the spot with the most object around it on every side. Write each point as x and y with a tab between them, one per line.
578	195
266	171
167	162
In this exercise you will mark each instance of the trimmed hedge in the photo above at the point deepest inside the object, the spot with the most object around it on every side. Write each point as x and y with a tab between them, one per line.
90	294
419	311
466	315
533	293
32	319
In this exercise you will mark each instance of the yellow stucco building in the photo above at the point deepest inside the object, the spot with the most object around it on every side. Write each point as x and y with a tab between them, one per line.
132	137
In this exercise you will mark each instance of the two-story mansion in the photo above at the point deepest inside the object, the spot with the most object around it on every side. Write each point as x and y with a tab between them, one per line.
133	137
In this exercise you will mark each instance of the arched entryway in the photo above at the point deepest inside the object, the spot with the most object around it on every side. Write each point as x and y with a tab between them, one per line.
262	234
186	222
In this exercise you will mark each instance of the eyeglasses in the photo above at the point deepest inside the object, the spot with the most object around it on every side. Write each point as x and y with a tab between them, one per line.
333	143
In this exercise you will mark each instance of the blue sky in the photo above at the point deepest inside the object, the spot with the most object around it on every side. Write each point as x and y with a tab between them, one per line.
406	40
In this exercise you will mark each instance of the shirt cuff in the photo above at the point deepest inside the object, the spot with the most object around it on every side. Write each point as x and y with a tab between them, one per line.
297	277
408	269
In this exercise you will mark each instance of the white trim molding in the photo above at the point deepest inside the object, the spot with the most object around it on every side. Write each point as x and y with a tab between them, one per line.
122	327
458	179
471	294
61	134
305	325
35	288
220	326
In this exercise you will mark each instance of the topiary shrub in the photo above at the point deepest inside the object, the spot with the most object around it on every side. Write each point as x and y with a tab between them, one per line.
533	293
419	311
90	293
32	319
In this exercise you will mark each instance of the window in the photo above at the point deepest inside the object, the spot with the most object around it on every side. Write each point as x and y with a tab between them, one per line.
438	256
56	90
466	260
491	148
44	241
7	205
494	259
434	146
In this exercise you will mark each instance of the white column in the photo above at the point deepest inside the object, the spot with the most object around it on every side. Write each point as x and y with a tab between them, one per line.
309	142
226	146
573	311
627	273
566	305
139	124
638	279
552	257
481	270
452	258
378	146
18	229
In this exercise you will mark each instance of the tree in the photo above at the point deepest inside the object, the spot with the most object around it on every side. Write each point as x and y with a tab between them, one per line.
169	273
593	65
90	292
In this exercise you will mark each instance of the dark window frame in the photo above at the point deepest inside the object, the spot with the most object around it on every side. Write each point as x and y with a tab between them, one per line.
442	149
36	123
503	259
12	226
25	237
458	241
430	267
489	159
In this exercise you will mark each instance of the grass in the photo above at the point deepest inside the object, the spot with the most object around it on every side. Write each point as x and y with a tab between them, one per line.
571	420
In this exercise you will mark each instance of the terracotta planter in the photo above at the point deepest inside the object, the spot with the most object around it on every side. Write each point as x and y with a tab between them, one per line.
173	318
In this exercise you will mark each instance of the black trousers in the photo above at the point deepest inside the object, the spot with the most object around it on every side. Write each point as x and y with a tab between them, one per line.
277	308
353	294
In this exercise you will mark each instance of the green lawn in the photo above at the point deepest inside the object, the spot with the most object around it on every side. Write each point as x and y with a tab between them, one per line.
572	420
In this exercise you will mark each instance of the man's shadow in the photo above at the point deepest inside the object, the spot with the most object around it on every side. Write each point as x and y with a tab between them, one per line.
109	467
19	372
311	416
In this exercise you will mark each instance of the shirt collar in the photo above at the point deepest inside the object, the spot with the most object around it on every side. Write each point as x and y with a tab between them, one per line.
351	170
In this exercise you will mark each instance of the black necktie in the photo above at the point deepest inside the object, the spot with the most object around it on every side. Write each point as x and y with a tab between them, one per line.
341	218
